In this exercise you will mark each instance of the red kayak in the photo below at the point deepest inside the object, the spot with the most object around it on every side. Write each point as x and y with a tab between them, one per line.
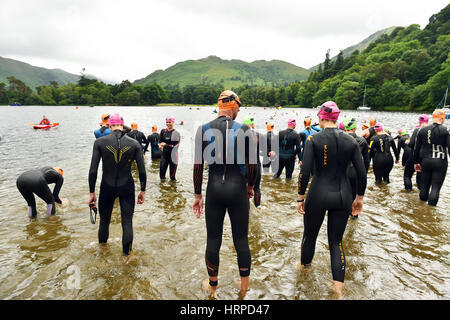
45	126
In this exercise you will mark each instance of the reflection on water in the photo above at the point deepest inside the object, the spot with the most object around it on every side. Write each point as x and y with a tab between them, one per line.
397	249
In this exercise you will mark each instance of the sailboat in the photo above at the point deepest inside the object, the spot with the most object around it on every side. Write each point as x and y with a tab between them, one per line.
364	107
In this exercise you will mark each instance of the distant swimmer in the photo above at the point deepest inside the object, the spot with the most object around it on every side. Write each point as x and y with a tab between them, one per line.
225	145
383	162
117	152
137	135
169	141
289	149
269	154
153	141
36	182
409	165
430	157
330	152
44	121
104	129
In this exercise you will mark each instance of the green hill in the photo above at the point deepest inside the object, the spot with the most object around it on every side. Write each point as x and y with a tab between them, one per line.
227	73
361	45
33	76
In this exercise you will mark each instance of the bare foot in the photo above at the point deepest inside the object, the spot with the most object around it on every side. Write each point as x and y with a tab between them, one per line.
337	287
303	268
208	288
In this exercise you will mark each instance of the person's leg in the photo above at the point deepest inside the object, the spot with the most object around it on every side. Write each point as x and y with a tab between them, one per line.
437	179
425	180
408	173
105	206
281	165
163	165
290	165
257	188
127	204
378	168
28	195
173	170
44	192
312	221
388	165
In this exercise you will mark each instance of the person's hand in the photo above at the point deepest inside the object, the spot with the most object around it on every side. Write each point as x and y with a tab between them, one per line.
250	192
272	154
357	206
301	205
197	207
418	167
300	163
397	161
64	201
92	199
141	197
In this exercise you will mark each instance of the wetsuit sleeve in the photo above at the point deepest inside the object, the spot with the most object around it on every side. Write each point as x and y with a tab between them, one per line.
175	139
308	162
57	189
417	147
160	136
302	138
298	149
141	168
394	147
93	170
360	169
147	142
317	129
412	141
250	167
365	154
198	161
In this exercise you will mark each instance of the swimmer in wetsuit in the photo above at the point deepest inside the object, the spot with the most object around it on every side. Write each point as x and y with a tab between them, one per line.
137	135
104	129
430	157
383	162
256	137
350	128
153	141
409	165
169	141
270	140
36	182
304	134
329	152
227	147
289	148
117	152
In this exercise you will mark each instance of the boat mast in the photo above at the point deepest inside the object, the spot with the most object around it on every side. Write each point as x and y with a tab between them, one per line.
364	98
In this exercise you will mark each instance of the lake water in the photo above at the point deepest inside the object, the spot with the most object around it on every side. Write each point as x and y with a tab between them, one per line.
397	249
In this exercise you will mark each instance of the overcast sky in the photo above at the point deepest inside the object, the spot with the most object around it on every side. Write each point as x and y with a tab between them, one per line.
117	40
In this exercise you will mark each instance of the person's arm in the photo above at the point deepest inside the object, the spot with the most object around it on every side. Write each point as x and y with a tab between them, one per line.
147	142
197	178
93	170
57	189
365	155
394	148
141	168
417	148
305	173
361	174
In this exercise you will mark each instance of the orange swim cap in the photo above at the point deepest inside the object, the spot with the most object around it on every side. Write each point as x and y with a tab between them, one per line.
105	118
228	100
270	126
154	128
134	125
307	121
59	170
372	122
438	114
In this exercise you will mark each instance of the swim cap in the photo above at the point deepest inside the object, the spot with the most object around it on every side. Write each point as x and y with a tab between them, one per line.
423	118
403	133
378	126
400	131
329	111
307	121
372	122
341	126
248	120
228	100
439	114
154	128
105	118
59	170
291	122
270	126
349	123
170	119
365	126
115	119
134	125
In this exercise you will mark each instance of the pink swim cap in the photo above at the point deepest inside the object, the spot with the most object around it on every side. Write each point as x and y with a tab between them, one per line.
329	111
170	119
379	126
341	126
423	118
291	122
116	119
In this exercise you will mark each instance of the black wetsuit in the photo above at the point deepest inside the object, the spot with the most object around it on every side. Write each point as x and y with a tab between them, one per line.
257	188
329	152
432	146
153	141
138	136
351	171
36	182
409	165
372	133
230	170
270	139
403	144
383	162
289	147
117	152
169	157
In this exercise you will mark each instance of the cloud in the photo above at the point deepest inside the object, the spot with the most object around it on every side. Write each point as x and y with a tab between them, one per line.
118	40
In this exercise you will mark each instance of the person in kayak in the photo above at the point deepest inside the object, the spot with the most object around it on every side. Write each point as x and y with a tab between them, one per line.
45	121
36	181
117	152
104	129
430	157
329	152
137	135
153	141
383	162
226	146
169	141
289	148
409	165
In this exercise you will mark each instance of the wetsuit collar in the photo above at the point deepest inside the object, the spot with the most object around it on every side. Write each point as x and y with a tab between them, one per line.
118	133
